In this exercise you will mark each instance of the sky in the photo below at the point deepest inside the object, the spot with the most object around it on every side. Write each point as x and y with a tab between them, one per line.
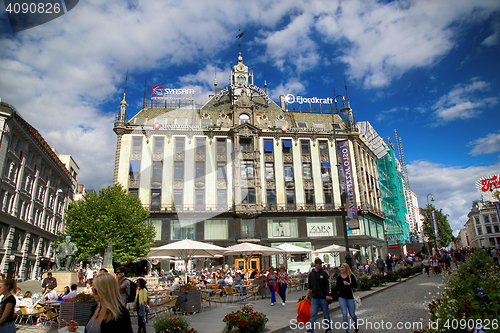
428	69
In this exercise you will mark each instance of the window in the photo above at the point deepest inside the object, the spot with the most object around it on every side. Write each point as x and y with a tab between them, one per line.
206	122
302	124
157	169
246	169
199	199
179	145
319	125
325	171
12	171
269	170
134	169
221	170
216	229
309	196
287	146
248	195
488	229
282	228
133	191
288	172
244	118
268	146
306	168
248	226
221	197
200	171
271	197
246	143
305	147
158	227
178	198
200	145
479	231
486	218
221	145
179	170
137	144
497	228
494	218
323	147
155	198
158	144
290	196
184	229
477	220
328	196
182	121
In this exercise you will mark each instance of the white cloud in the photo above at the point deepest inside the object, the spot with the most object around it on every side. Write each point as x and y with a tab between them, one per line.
463	102
494	38
453	187
293	86
487	145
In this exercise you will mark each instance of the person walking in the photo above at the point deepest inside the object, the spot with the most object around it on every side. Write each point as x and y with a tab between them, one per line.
381	265
141	305
318	287
124	284
426	265
346	283
271	281
388	262
109	314
7	306
494	255
282	284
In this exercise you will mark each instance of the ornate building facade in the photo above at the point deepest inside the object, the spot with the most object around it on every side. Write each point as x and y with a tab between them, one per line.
483	226
243	168
34	191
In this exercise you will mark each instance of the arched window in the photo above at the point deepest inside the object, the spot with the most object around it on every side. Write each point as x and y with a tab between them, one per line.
244	118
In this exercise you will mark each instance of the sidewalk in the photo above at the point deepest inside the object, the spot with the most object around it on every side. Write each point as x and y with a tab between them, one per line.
210	320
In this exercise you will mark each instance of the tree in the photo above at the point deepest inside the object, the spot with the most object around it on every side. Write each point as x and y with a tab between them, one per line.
110	215
445	232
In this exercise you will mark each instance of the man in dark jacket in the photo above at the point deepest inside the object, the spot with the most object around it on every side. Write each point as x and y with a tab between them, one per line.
381	265
49	280
319	289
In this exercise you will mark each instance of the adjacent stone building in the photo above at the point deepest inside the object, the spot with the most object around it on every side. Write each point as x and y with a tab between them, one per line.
483	227
243	168
34	191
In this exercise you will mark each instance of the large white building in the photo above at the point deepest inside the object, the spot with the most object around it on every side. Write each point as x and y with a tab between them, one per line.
243	168
34	191
483	227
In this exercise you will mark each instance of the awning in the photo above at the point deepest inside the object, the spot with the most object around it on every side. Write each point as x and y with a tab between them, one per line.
287	143
268	145
326	165
134	165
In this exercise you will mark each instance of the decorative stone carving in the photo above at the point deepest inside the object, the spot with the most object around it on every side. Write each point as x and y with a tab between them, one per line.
289	185
247	155
179	156
221	157
308	184
199	184
158	156
221	183
156	184
269	157
244	100
270	184
178	183
287	158
306	158
136	155
133	183
324	158
200	156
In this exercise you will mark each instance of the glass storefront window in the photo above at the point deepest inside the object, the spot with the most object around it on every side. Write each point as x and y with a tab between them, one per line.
373	229
216	229
184	229
282	228
158	228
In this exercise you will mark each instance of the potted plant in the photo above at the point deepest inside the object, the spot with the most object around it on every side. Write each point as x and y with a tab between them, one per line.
77	309
246	320
172	324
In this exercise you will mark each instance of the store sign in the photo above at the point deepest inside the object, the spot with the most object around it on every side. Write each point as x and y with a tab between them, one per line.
290	99
158	126
345	160
304	129
319	229
489	187
242	85
161	91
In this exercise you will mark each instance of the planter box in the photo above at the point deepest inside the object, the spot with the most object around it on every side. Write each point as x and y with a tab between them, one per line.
79	312
188	301
262	291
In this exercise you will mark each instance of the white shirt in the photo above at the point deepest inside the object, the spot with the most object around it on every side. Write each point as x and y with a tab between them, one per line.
52	295
89	274
72	294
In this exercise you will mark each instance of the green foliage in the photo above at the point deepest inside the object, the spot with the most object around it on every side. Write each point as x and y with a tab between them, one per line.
472	293
110	215
172	324
246	319
365	283
445	232
377	279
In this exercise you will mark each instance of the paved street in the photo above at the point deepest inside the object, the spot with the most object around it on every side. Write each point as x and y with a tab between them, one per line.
394	303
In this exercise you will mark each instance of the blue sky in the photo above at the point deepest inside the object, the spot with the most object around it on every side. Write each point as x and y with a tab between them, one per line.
426	68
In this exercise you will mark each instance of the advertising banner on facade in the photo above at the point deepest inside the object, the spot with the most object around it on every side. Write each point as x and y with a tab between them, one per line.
489	187
345	160
436	231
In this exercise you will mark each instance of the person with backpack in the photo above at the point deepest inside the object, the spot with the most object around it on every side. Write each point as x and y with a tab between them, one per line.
126	287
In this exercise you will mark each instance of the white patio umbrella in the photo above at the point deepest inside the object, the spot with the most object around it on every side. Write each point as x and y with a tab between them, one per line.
187	249
247	250
288	249
334	248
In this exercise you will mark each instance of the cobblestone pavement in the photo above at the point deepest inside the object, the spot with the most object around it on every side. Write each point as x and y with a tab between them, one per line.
404	304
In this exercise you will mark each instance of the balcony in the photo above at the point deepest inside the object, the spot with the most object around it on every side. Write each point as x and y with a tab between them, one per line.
248	237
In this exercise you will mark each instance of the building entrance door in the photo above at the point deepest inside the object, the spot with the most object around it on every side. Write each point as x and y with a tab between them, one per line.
241	264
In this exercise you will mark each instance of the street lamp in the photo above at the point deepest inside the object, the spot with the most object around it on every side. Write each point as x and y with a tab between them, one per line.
348	258
432	222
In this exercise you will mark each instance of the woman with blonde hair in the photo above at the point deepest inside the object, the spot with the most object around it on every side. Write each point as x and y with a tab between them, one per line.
282	283
109	314
346	282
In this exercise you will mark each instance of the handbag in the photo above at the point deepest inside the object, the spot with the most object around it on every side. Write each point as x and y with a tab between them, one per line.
357	299
304	311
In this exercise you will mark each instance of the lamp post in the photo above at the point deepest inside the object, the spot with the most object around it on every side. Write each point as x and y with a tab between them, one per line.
432	222
348	258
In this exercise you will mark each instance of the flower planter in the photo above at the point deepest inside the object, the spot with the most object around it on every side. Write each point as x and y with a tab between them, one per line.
77	311
188	301
262	291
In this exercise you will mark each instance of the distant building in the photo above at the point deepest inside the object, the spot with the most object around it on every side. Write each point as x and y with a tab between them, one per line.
34	192
483	227
74	170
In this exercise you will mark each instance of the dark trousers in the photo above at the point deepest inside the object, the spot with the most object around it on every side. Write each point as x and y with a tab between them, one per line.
283	292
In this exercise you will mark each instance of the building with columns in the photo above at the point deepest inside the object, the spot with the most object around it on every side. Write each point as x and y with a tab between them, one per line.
34	191
244	168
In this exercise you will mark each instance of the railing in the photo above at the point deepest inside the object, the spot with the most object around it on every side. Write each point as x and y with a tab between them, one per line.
282	207
247	235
